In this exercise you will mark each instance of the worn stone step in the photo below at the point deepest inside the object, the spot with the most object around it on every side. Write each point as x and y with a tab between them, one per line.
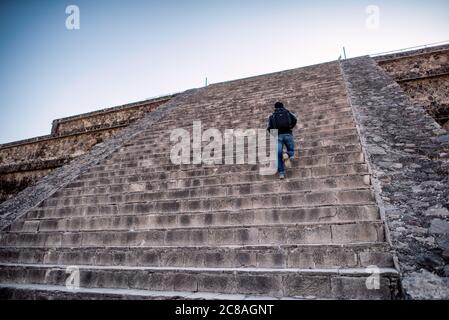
161	152
204	205
13	291
280	188
301	128
146	183
266	94
142	221
321	233
166	165
164	151
345	140
231	186
262	101
207	173
254	113
257	108
249	121
301	125
325	283
209	177
246	121
300	138
294	256
124	154
164	156
217	160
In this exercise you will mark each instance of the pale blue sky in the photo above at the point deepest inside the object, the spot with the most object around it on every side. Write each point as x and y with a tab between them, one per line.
129	50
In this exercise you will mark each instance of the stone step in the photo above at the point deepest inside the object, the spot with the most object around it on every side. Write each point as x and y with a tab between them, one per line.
252	113
279	188
281	234
164	164
257	111
268	92
252	117
325	122
265	92
257	108
345	140
165	154
164	151
209	175
141	221
233	185
162	148
249	120
293	96
151	135
305	157
157	183
261	105
14	291
306	125
321	283
299	137
154	133
205	205
294	256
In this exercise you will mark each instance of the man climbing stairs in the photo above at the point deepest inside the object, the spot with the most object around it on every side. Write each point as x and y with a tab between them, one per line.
138	226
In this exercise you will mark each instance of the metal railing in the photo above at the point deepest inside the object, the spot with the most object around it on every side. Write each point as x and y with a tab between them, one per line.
435	44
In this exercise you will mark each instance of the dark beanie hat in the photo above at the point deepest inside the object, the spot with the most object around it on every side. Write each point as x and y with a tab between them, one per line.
279	105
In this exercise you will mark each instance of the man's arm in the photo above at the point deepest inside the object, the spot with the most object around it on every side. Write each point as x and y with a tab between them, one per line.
293	119
270	124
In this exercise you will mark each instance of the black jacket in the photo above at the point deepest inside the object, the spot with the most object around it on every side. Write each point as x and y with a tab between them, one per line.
289	131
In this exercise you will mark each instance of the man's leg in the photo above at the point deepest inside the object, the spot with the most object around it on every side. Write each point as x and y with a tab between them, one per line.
281	169
289	141
290	146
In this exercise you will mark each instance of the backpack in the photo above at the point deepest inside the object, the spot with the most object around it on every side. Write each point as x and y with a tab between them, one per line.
282	120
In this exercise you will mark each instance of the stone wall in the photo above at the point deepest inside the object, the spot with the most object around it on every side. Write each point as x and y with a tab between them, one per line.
424	76
408	155
42	189
22	163
106	118
432	94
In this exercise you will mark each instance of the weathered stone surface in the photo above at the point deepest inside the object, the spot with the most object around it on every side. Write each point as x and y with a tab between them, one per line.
417	64
411	178
424	76
437	212
446	126
439	226
426	285
33	195
110	117
22	163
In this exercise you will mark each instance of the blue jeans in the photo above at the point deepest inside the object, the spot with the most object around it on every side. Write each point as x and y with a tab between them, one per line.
289	142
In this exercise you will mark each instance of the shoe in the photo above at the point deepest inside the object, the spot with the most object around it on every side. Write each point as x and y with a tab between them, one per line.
282	176
287	162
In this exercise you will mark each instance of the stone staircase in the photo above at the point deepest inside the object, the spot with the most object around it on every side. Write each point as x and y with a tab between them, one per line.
138	226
